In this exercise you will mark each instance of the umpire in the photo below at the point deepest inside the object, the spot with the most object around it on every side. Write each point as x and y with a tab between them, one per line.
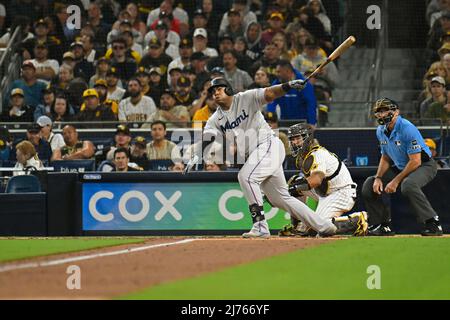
401	144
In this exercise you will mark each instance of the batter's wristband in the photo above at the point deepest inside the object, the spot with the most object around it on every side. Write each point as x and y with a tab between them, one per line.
378	177
286	86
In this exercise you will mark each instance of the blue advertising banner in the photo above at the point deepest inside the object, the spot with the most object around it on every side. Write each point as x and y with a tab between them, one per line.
169	206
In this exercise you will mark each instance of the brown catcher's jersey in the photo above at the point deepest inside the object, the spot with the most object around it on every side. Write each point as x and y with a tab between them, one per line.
319	159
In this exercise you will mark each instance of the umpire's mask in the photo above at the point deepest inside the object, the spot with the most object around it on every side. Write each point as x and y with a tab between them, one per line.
387	107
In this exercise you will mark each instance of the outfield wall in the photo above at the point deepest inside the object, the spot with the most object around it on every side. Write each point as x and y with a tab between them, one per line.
165	203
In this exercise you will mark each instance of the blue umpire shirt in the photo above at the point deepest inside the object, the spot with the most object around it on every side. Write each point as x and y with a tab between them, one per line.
405	139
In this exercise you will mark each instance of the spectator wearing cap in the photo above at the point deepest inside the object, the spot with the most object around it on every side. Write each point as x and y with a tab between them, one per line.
94	111
174	73
272	120
42	147
30	85
252	36
239	79
183	92
125	27
83	68
27	158
101	87
200	40
18	110
311	58
441	163
175	116
440	28
126	67
276	24
439	110
55	140
137	107
122	139
133	50
151	82
44	109
46	69
155	56
168	18
161	32
171	36
160	148
102	67
74	149
114	88
268	61
225	44
198	68
200	20
41	32
185	52
235	26
438	94
178	15
138	152
95	19
295	104
247	15
61	111
202	115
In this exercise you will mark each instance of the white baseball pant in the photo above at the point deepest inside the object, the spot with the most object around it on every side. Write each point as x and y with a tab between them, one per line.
263	170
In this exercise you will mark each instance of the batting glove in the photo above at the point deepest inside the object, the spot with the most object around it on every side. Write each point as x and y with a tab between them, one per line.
297	84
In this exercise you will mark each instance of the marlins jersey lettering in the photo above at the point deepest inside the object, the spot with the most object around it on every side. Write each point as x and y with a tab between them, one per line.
136	112
243	120
322	160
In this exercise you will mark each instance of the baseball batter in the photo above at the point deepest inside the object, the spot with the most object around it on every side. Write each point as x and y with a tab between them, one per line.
325	178
240	116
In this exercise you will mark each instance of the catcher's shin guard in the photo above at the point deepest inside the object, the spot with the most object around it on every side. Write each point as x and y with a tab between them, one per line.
355	223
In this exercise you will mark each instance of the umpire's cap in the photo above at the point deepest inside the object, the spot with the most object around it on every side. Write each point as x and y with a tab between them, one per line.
384	103
220	82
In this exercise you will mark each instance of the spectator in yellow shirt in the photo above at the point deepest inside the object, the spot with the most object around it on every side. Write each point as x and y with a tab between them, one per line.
202	115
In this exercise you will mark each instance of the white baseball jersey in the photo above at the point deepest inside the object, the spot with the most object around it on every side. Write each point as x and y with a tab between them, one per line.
326	162
136	112
244	120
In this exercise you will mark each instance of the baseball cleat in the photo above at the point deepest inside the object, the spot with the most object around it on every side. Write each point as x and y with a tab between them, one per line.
301	230
260	229
432	227
380	230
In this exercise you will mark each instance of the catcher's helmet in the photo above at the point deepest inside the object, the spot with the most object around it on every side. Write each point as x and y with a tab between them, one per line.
220	82
305	131
385	104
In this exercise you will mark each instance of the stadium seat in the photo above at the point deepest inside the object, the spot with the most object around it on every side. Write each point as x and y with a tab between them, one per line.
23	184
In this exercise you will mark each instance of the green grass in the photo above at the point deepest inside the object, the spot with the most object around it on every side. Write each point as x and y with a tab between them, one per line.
14	249
411	268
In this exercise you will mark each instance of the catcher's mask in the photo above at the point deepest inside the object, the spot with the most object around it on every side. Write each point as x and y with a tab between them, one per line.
305	131
381	106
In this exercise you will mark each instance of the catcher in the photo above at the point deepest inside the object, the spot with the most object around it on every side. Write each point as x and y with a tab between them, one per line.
324	178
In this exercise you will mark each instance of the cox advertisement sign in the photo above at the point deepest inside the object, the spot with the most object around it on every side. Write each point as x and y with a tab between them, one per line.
169	206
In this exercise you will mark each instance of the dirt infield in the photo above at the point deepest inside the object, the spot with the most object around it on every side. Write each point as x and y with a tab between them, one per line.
111	276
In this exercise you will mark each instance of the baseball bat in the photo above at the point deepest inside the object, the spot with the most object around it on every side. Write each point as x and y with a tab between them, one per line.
336	54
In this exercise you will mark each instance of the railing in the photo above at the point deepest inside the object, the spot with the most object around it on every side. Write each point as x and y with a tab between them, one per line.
377	66
10	62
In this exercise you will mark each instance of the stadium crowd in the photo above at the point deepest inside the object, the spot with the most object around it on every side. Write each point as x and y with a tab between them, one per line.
148	64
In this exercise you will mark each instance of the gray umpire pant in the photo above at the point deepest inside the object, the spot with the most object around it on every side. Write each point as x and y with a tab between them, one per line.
411	188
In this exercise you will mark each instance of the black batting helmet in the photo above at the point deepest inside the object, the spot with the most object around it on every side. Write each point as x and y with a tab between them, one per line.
220	82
